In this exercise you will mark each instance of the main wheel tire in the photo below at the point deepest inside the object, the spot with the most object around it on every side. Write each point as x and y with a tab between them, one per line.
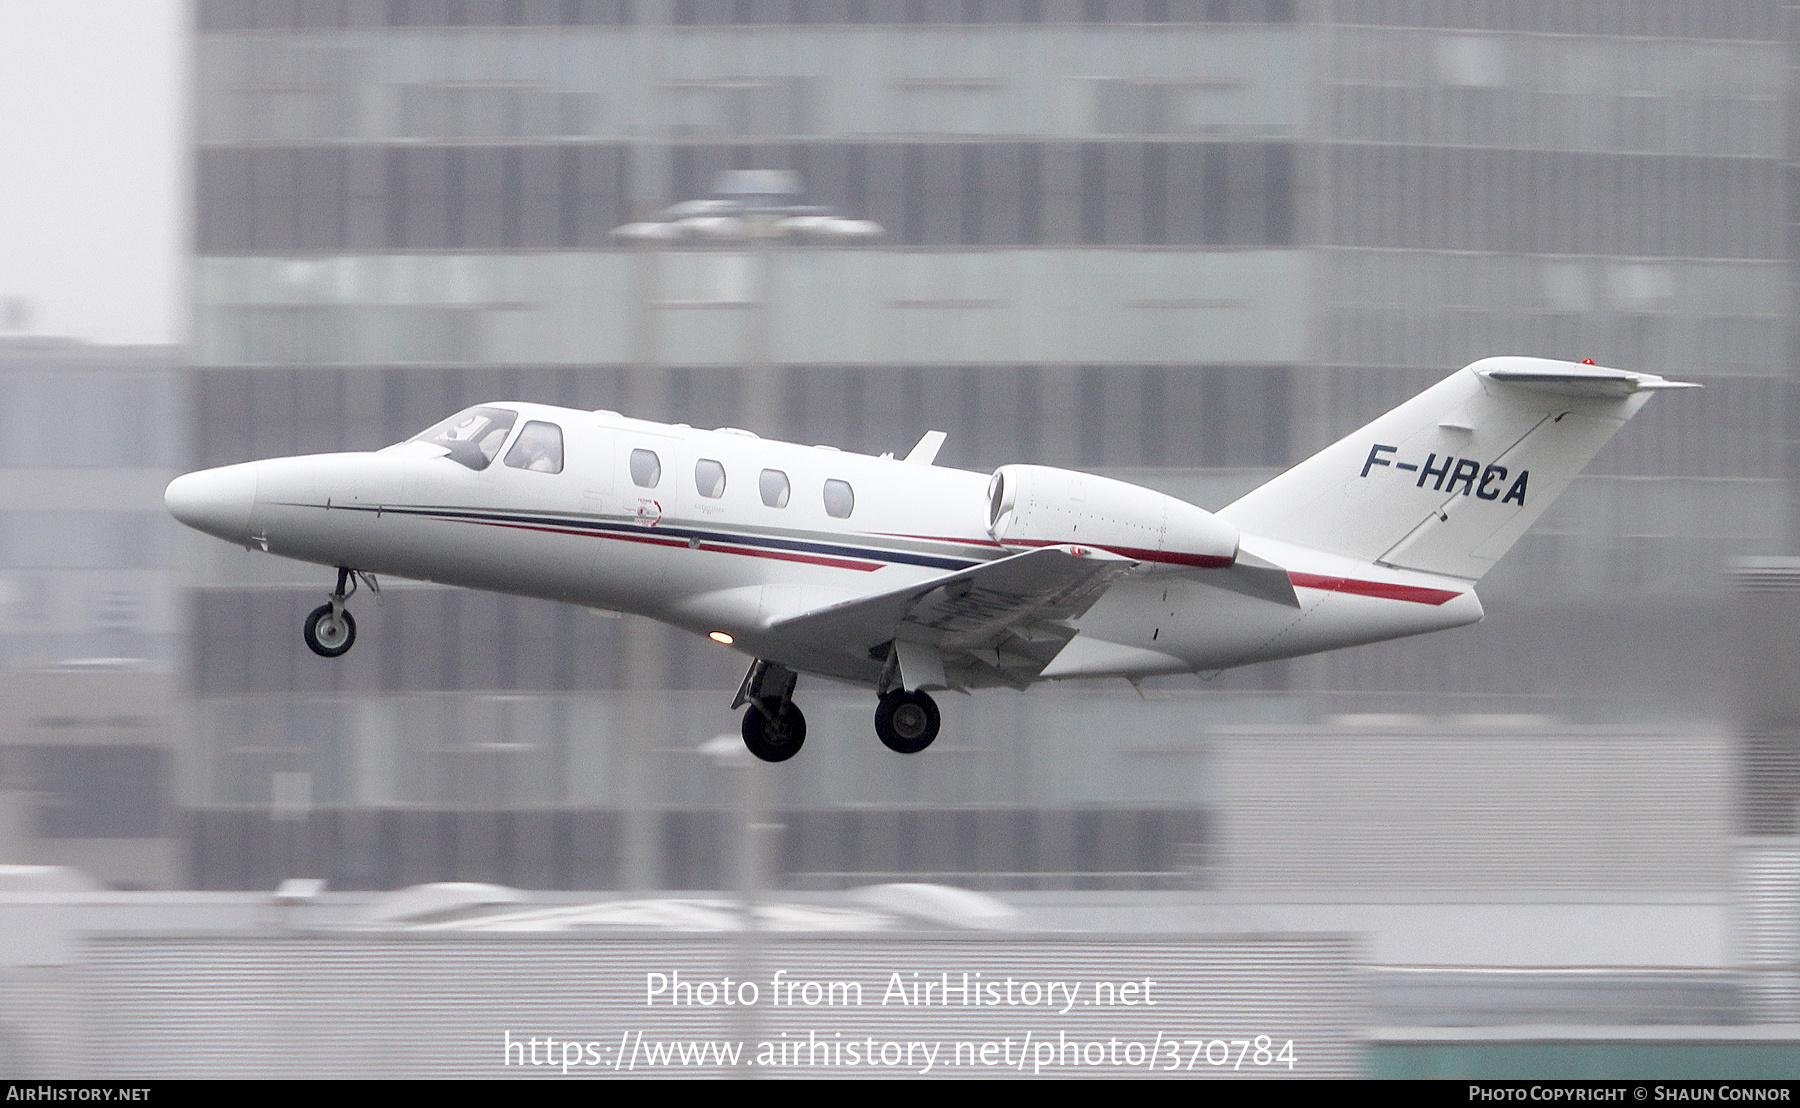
329	634
774	739
906	722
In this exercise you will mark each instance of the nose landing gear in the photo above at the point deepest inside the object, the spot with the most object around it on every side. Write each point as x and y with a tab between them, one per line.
330	630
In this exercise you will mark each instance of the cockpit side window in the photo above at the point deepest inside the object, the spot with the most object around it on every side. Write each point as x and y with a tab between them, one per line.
646	468
538	448
473	437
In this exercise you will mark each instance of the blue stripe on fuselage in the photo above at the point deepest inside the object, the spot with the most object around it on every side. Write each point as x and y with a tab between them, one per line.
602	527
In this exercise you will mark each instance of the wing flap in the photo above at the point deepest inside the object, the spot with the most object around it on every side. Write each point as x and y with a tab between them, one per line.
1001	622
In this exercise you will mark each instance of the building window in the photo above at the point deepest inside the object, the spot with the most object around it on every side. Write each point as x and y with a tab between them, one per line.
646	469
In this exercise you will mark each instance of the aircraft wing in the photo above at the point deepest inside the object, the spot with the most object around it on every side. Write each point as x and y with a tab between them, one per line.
997	624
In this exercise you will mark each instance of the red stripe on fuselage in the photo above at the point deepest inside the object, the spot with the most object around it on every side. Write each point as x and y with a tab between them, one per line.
1383	590
789	556
657	540
936	538
651	540
1175	557
1139	554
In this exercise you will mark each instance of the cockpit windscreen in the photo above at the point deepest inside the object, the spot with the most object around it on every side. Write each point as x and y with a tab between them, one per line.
473	437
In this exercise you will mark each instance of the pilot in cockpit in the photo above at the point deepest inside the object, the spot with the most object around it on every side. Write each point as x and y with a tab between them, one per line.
539	448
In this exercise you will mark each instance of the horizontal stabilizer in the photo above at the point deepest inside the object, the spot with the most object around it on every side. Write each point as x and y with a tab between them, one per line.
1253	577
1567	379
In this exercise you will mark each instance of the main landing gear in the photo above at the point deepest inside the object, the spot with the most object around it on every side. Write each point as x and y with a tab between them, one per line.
774	727
330	631
906	722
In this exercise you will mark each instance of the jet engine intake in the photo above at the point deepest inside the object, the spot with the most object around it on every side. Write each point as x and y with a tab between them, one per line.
1034	506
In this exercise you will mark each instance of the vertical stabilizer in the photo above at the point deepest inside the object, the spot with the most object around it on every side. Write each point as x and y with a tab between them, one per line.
1449	480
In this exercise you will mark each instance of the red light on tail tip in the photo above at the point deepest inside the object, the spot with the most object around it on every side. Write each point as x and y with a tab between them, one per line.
1587	361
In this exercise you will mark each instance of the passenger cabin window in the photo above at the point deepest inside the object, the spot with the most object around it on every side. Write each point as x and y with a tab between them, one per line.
538	448
472	437
773	484
709	478
646	469
840	499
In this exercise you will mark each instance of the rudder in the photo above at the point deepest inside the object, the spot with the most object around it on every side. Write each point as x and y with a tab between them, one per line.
1449	480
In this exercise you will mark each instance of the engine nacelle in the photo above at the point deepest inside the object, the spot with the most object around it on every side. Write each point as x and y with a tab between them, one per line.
1032	506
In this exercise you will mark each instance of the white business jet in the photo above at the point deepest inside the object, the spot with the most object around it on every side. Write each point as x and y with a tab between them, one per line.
907	577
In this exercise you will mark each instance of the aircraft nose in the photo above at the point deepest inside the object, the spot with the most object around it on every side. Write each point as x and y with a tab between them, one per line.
217	501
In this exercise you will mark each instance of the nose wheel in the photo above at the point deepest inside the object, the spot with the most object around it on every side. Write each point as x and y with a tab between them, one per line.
906	722
330	630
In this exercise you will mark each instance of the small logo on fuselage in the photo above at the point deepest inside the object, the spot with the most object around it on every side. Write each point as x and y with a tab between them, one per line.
1484	481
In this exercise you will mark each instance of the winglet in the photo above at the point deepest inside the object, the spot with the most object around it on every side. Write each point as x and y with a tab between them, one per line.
925	451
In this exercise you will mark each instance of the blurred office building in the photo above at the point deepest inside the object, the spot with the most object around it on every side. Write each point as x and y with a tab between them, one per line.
89	608
1185	242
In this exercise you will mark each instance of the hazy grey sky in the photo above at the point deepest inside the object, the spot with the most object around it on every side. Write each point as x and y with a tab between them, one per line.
93	167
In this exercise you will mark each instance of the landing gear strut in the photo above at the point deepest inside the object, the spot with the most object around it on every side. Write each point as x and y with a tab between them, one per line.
330	631
774	727
906	722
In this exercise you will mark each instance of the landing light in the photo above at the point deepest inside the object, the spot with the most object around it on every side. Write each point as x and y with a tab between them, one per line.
720	637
